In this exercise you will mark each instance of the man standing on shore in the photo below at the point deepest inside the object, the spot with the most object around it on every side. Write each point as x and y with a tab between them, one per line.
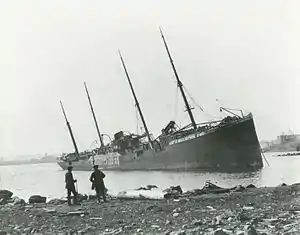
70	186
97	183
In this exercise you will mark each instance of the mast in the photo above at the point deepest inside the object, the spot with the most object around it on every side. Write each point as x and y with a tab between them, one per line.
94	116
136	101
70	130
179	83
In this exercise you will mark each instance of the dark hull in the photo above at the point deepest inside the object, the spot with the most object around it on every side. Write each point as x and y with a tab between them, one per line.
232	148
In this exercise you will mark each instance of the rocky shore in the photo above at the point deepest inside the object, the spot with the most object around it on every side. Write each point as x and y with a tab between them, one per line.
210	210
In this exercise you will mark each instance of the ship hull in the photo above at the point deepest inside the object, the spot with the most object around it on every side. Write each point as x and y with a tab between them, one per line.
232	148
77	165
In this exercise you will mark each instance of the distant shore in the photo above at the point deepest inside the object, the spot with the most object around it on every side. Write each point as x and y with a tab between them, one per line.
28	162
267	210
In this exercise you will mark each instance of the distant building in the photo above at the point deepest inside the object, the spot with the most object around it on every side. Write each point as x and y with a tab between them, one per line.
286	138
283	143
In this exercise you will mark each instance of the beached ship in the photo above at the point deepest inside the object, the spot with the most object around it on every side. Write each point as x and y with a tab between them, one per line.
230	144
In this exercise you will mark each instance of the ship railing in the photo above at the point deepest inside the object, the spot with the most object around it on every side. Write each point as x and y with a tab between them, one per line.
216	123
73	157
203	128
213	123
209	124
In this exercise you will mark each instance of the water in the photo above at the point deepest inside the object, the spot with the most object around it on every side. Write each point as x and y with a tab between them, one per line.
48	179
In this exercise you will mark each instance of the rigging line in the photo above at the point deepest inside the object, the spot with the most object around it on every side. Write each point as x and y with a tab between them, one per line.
211	116
176	104
139	128
137	120
199	106
192	99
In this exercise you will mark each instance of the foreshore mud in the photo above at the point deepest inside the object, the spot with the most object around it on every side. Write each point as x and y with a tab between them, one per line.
238	210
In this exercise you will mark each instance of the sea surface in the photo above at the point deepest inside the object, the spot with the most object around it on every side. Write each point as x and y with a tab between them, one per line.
48	179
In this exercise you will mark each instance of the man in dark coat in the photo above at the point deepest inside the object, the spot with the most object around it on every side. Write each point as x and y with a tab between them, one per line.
97	183
70	186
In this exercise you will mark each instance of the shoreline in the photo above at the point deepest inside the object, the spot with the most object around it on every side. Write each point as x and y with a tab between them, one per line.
265	210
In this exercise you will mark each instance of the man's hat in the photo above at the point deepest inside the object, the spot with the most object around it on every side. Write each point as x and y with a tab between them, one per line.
95	166
70	167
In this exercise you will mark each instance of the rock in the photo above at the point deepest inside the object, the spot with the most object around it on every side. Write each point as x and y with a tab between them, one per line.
27	230
5	194
91	228
17	228
49	210
219	232
99	218
77	213
141	188
240	233
181	233
248	208
37	199
82	197
151	186
3	201
177	189
17	201
178	209
173	192
251	231
209	185
57	201
197	223
194	192
33	231
242	217
154	208
3	232
211	208
218	220
271	221
238	188
148	187
176	214
289	225
251	186
171	195
282	185
212	188
168	222
155	226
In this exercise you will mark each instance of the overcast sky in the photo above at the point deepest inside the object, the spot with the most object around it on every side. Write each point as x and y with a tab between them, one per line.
244	53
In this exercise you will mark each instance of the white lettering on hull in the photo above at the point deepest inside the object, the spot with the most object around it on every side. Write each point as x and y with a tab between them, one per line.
110	159
189	137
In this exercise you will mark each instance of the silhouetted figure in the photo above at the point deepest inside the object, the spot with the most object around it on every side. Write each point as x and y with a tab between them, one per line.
70	186
97	183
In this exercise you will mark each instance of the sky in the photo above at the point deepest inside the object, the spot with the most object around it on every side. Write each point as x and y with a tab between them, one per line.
246	54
